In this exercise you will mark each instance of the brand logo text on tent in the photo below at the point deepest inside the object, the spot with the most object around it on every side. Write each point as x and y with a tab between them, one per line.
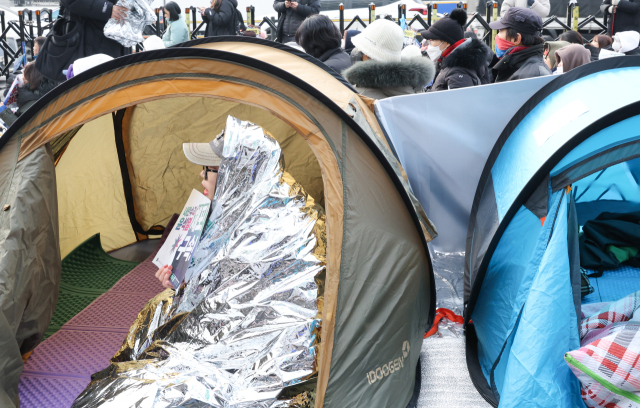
391	367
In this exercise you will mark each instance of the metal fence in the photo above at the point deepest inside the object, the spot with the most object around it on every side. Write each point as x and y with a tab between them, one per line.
34	23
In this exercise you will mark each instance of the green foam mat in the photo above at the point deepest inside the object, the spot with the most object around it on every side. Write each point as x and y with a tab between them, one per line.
88	269
87	272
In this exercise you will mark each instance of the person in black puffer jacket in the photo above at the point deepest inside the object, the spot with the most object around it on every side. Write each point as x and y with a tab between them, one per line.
291	14
519	47
459	63
320	38
221	18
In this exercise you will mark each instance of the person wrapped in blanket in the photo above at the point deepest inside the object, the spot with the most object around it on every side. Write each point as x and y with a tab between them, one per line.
31	85
207	155
243	329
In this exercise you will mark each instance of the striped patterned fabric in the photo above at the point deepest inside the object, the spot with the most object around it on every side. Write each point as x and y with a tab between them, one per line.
608	363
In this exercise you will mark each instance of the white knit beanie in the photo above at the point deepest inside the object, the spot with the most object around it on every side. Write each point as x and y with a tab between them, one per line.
382	40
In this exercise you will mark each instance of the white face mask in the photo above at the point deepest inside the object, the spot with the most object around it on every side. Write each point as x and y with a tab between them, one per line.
434	52
559	71
342	43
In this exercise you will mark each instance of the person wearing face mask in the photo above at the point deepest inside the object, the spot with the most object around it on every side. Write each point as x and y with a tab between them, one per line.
519	47
460	62
627	42
379	71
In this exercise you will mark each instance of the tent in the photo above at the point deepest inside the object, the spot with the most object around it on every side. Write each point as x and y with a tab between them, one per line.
558	152
565	157
102	153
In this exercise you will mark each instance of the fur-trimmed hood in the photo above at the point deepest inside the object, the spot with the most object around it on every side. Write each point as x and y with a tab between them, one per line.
415	73
472	54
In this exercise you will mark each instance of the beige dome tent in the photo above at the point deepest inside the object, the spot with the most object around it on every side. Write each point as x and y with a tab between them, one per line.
103	153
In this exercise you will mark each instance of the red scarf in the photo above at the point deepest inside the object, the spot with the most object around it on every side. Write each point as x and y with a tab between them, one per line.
450	49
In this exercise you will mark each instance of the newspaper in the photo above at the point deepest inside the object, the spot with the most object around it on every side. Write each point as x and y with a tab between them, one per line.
184	237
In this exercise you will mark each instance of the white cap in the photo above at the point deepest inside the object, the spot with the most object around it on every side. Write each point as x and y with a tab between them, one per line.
205	154
410	51
381	41
86	63
153	43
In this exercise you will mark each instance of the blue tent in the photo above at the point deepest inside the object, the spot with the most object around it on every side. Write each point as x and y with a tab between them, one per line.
570	153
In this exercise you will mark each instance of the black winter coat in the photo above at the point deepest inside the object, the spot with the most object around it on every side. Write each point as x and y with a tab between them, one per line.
467	65
96	13
626	17
289	19
221	22
337	59
521	65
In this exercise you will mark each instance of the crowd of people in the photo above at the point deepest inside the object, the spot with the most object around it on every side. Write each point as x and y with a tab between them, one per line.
379	61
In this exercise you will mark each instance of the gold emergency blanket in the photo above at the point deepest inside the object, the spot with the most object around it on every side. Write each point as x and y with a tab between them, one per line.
247	323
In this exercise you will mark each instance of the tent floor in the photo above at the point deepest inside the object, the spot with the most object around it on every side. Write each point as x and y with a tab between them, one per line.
137	252
60	368
613	285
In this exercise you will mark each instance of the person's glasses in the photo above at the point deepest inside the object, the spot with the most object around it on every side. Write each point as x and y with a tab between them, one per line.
208	170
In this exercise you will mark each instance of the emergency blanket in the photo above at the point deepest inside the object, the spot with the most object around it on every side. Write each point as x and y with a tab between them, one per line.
128	32
608	363
247	323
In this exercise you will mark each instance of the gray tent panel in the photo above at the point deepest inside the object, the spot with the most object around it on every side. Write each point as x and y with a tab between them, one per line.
444	158
29	233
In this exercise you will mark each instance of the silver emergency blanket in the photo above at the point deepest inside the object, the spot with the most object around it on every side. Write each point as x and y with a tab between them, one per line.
448	270
246	324
128	32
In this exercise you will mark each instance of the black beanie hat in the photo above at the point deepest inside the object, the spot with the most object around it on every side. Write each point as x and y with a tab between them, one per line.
449	28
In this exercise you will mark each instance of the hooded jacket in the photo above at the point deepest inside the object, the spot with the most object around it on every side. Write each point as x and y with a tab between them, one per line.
524	64
336	59
572	56
223	21
289	19
627	42
467	65
626	17
379	80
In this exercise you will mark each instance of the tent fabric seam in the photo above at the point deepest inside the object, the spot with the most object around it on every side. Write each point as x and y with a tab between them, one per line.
184	75
271	44
561	184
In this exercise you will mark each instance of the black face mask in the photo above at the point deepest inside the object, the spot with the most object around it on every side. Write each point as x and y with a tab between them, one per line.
356	56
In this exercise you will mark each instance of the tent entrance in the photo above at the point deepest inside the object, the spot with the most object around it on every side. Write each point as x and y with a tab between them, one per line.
613	190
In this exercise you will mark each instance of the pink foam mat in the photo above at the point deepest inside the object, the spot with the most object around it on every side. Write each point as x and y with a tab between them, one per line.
60	368
110	311
140	280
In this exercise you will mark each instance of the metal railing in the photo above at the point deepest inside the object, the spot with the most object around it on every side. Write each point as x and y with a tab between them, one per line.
34	23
